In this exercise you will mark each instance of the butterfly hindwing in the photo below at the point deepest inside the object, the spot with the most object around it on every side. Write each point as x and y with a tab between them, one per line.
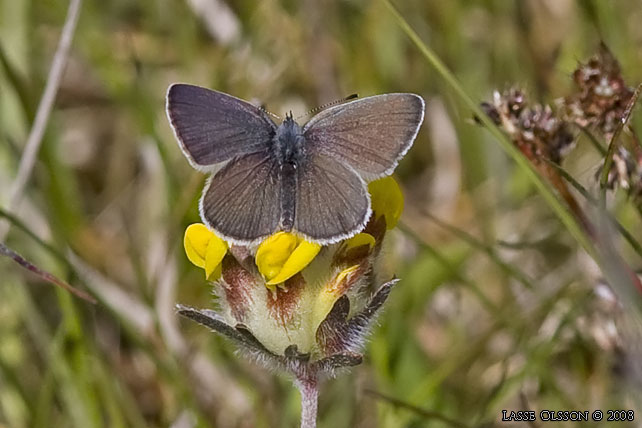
332	201
241	202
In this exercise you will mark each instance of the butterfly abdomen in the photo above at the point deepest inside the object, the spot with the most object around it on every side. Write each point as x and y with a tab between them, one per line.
288	196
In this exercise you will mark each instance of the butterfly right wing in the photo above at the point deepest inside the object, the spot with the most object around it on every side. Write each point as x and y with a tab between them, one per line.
213	127
242	201
370	134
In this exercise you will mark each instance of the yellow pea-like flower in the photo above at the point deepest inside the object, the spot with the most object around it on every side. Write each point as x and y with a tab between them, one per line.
282	255
359	240
354	249
330	294
343	275
204	249
387	200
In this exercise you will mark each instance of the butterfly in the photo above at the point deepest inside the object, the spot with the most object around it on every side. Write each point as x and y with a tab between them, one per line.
310	180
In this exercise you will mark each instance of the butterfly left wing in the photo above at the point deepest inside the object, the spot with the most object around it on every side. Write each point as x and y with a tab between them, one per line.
214	127
371	134
241	202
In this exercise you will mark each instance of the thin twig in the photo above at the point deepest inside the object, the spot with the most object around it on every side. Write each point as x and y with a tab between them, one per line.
32	147
8	252
427	414
15	221
625	233
523	245
524	404
488	250
450	268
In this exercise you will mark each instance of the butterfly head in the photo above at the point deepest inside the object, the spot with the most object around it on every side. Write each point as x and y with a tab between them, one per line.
288	141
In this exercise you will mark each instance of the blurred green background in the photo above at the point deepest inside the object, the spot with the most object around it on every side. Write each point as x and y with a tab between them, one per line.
511	316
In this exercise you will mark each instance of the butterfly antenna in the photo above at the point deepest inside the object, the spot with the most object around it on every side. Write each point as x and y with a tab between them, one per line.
330	104
269	113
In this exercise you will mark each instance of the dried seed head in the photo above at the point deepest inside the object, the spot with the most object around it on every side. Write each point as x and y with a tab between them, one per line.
536	130
602	94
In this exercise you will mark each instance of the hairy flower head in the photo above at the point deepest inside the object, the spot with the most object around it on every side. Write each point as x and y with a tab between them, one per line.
292	302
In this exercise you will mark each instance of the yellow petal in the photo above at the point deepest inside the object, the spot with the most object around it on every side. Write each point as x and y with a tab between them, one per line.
302	255
343	275
216	250
204	249
330	294
360	239
196	240
387	200
274	252
215	274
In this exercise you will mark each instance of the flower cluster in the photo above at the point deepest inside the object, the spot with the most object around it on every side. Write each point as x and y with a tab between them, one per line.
293	304
601	104
536	130
602	95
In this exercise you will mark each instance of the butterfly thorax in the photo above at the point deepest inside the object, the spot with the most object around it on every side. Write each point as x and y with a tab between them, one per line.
289	142
288	146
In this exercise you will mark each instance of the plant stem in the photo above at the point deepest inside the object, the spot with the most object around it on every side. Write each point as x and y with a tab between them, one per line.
45	107
41	119
608	160
565	216
308	385
601	249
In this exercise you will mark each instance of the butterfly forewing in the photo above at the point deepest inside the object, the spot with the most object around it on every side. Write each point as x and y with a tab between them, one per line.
332	201
371	134
242	201
213	127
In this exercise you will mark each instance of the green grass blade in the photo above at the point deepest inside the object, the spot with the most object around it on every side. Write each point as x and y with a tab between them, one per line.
542	186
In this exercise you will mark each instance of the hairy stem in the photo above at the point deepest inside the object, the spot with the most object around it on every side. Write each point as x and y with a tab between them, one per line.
308	385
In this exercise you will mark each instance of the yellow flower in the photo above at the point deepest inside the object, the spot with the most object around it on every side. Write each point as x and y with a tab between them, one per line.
387	200
359	240
204	249
282	255
331	292
354	250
